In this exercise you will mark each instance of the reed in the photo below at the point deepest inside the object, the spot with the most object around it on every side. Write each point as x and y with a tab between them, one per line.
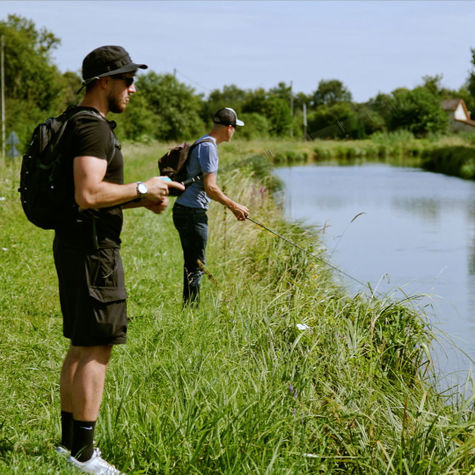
234	386
399	148
453	160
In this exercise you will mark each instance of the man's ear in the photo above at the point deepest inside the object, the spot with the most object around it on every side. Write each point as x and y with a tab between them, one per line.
104	82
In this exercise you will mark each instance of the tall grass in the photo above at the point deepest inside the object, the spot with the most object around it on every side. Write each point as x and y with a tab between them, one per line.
455	160
398	148
234	386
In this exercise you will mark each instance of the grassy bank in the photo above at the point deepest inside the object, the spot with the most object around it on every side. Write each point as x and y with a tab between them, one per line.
400	148
456	160
234	387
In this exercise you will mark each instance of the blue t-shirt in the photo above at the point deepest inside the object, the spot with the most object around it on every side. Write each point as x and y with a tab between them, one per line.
203	159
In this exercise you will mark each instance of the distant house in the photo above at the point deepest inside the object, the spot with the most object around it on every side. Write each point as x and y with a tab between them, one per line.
459	116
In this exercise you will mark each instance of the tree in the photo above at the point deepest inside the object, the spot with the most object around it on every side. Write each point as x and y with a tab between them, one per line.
382	104
170	109
330	92
467	91
138	122
257	126
34	86
368	121
271	106
330	120
300	99
29	74
277	112
230	96
433	84
71	82
255	101
418	111
471	77
282	91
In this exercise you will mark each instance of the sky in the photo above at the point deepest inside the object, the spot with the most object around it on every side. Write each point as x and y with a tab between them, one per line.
371	46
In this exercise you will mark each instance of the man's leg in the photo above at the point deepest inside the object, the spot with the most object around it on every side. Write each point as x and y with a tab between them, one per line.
194	250
81	387
65	388
192	226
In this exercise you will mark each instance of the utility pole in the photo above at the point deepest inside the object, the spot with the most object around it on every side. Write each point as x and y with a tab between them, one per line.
291	110
304	121
2	65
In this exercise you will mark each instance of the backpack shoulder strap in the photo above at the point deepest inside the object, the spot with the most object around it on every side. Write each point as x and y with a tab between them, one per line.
198	142
210	140
91	113
84	113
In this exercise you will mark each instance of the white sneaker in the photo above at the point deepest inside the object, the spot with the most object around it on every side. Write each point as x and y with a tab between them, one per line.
62	451
96	464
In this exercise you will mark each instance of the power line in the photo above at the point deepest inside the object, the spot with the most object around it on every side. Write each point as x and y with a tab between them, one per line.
175	70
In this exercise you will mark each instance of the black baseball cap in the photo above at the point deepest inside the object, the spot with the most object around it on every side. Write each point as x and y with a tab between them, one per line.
227	116
107	61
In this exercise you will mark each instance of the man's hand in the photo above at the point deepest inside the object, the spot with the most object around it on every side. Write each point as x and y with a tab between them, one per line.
215	193
158	189
156	207
240	211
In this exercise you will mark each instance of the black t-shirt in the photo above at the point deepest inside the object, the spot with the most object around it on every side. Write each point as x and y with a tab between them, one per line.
88	135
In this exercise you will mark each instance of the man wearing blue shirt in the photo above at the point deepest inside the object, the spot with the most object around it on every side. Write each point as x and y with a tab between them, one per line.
189	212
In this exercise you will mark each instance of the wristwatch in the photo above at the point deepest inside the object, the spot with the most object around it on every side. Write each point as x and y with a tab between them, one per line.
141	189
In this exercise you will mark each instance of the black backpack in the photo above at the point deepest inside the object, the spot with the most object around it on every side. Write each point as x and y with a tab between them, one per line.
173	164
46	191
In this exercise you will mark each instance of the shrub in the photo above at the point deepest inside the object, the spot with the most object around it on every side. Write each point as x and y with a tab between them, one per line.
418	111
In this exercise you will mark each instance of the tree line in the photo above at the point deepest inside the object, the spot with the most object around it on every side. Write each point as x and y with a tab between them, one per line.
169	110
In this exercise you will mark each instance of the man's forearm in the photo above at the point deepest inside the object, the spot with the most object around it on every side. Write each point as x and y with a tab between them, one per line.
215	193
106	194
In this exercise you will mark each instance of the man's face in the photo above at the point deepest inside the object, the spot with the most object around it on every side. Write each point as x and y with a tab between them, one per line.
121	87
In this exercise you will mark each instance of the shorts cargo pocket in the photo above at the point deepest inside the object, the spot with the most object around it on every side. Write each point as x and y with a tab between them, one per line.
105	275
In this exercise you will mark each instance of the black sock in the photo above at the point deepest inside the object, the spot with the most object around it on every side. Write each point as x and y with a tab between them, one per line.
83	438
66	429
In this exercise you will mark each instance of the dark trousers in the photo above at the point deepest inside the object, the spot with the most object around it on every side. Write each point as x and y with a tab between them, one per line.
192	226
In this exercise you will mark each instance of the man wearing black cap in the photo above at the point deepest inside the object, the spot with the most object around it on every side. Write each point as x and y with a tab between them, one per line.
86	250
189	211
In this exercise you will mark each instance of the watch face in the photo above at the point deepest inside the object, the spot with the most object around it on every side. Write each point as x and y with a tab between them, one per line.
142	188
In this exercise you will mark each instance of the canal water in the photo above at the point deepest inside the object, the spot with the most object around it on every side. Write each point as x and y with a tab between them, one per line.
406	232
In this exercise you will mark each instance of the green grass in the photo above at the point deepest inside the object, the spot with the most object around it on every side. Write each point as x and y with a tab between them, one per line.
233	387
455	160
397	148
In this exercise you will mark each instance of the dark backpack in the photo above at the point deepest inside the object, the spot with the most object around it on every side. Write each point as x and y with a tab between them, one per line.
173	164
46	190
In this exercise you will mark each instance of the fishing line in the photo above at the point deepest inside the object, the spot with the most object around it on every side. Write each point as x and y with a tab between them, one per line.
363	284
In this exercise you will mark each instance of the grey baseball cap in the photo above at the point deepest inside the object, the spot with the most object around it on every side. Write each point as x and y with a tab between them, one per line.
227	116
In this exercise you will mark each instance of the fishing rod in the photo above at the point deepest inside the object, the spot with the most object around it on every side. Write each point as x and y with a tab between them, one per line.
363	284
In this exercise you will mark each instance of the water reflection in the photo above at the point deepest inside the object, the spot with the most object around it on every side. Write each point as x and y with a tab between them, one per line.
427	209
416	232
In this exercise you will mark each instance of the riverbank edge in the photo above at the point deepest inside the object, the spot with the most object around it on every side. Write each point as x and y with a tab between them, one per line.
412	155
456	161
346	390
451	155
